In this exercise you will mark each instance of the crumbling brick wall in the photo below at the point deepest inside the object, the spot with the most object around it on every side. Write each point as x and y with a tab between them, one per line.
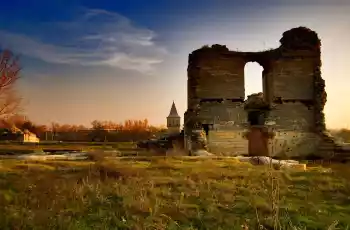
292	86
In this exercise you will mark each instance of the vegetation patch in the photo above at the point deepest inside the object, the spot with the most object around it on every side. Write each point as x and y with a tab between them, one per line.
168	193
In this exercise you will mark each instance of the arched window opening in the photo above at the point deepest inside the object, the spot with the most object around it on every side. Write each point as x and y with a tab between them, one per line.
253	79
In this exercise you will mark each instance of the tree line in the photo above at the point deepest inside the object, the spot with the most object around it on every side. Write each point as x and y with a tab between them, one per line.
129	130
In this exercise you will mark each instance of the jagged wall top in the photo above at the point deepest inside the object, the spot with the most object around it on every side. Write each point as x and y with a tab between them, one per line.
299	38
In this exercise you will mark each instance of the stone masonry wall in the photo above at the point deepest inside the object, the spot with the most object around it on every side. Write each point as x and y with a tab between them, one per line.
229	121
293	78
292	86
216	84
214	73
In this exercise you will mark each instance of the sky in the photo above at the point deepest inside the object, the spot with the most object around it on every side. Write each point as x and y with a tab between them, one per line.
127	59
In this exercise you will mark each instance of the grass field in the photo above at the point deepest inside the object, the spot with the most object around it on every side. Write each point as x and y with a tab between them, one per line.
170	193
17	148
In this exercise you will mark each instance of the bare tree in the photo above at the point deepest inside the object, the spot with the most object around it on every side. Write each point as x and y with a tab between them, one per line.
9	74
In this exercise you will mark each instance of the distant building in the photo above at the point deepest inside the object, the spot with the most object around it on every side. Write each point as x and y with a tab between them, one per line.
28	137
173	120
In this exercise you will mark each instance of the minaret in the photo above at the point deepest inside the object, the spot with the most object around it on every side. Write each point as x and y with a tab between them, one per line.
173	120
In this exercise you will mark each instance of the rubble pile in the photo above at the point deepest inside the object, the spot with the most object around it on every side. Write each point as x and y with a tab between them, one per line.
198	140
256	101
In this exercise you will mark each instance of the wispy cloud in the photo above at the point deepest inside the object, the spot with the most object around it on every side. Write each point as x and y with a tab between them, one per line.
94	38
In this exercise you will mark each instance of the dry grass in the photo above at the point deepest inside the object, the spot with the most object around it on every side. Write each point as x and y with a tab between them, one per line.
169	193
17	148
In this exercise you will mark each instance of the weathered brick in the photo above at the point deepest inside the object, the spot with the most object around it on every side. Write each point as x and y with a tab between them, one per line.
292	84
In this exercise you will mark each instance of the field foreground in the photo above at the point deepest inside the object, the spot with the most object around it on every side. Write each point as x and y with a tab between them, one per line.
170	193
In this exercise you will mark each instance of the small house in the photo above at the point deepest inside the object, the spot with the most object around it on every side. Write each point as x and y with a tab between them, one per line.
28	137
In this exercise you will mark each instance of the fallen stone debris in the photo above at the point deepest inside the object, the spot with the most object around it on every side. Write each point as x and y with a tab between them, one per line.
254	160
65	156
277	164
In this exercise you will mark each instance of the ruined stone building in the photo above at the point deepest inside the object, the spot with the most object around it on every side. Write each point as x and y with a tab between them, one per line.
173	120
290	108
